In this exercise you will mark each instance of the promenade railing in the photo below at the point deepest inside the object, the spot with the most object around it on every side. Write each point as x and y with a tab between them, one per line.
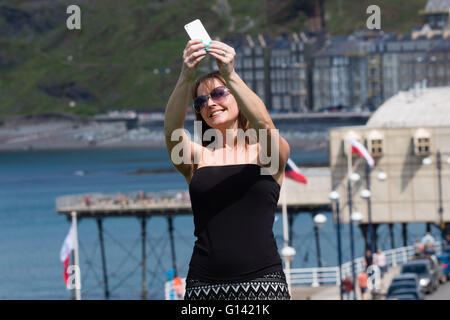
330	275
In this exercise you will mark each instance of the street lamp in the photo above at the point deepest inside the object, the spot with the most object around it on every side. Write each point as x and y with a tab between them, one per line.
365	194
355	218
428	161
355	177
352	245
319	221
382	176
334	197
288	254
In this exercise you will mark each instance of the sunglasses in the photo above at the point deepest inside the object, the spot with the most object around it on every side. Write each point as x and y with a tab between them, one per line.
217	95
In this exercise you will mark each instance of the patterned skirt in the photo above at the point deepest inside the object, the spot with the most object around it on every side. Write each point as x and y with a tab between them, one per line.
271	286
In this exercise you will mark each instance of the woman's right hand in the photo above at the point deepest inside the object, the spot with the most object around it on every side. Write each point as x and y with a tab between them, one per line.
192	55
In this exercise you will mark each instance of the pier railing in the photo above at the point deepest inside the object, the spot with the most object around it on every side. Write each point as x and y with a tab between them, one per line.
123	201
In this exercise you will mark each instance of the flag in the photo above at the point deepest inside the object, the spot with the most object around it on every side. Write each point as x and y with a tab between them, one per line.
291	171
65	252
358	148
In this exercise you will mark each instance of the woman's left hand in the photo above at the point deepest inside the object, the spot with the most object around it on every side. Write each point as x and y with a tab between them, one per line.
224	55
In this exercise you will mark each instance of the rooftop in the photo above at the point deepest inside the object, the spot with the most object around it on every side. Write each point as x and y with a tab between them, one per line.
427	107
437	6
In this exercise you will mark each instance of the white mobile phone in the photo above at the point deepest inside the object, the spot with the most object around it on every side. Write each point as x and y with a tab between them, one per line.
196	30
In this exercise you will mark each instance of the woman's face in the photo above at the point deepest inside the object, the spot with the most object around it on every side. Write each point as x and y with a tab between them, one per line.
227	107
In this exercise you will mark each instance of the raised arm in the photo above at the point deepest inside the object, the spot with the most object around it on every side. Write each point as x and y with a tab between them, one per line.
176	108
249	102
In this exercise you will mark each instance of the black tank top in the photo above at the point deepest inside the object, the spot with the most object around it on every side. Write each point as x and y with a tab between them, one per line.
234	208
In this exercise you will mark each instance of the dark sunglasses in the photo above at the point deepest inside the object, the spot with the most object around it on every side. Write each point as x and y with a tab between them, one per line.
217	95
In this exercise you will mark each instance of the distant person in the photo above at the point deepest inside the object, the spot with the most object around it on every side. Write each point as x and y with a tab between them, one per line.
429	248
379	259
368	259
362	283
427	237
87	200
347	286
233	202
141	195
119	198
178	196
419	248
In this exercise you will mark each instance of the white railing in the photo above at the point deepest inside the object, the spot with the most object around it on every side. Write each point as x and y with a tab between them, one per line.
123	200
330	275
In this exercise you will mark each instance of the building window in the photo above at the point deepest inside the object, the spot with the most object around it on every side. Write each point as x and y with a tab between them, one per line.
259	62
376	147
423	146
422	142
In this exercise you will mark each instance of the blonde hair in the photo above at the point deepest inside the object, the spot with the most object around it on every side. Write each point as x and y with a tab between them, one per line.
208	79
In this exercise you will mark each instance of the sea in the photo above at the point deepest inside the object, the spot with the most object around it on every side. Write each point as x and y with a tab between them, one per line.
32	233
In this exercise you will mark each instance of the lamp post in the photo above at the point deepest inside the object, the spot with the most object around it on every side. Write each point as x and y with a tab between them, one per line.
428	161
366	195
334	197
352	245
319	221
288	254
354	219
353	177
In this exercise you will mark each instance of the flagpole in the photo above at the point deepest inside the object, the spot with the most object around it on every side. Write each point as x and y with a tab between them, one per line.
75	255
350	209
285	225
286	238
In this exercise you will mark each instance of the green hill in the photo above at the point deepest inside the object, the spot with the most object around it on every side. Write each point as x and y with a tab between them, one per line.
110	63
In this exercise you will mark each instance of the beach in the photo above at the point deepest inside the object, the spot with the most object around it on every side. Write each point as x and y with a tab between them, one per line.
66	134
74	134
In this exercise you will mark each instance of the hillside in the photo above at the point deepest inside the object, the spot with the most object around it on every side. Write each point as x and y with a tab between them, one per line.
110	63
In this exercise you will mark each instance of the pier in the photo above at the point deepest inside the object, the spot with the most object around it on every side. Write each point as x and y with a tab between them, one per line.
309	198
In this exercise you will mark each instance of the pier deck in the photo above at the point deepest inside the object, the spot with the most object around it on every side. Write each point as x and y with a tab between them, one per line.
310	197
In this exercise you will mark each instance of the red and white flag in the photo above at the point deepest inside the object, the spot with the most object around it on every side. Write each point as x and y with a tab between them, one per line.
293	172
358	148
64	254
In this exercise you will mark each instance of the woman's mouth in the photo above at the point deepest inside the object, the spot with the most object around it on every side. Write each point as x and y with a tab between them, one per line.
215	113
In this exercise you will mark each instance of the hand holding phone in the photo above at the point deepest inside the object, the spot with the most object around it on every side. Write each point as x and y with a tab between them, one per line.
196	30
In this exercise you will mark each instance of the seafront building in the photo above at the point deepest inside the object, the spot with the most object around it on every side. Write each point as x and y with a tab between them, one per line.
409	139
275	68
312	71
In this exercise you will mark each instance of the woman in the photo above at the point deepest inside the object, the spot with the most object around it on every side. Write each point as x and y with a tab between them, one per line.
235	255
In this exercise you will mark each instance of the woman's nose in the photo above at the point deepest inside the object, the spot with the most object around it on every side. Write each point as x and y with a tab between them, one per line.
210	101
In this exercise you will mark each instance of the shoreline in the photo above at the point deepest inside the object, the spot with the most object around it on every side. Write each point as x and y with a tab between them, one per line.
82	148
67	135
